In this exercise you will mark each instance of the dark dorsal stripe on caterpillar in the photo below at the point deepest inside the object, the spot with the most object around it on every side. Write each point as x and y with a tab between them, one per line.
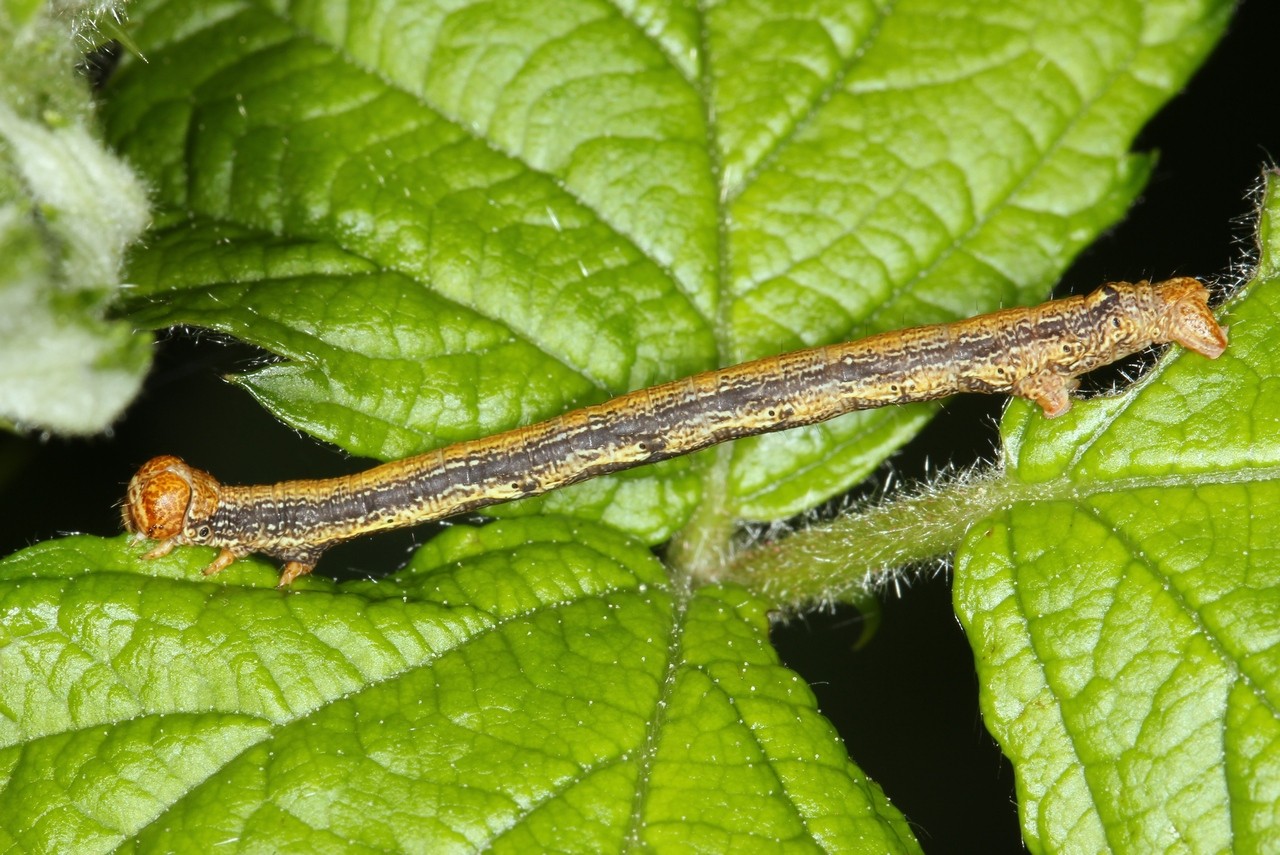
1035	352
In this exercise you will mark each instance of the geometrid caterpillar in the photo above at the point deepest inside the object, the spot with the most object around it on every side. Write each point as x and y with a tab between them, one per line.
1034	352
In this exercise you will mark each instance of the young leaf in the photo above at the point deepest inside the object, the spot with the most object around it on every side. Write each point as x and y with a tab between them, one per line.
450	219
68	210
532	685
1125	622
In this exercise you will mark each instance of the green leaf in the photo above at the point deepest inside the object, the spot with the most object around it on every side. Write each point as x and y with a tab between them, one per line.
68	209
1126	622
511	684
451	219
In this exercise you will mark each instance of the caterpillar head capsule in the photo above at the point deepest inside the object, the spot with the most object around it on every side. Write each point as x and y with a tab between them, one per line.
166	493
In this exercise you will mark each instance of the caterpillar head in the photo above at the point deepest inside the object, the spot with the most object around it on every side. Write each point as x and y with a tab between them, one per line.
165	495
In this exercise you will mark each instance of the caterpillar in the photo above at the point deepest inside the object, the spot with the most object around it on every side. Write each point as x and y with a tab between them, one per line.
1034	352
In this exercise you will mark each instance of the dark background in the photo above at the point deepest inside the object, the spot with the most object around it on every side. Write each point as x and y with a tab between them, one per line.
906	703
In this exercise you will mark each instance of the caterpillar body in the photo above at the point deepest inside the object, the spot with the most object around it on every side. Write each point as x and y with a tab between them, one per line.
1035	352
